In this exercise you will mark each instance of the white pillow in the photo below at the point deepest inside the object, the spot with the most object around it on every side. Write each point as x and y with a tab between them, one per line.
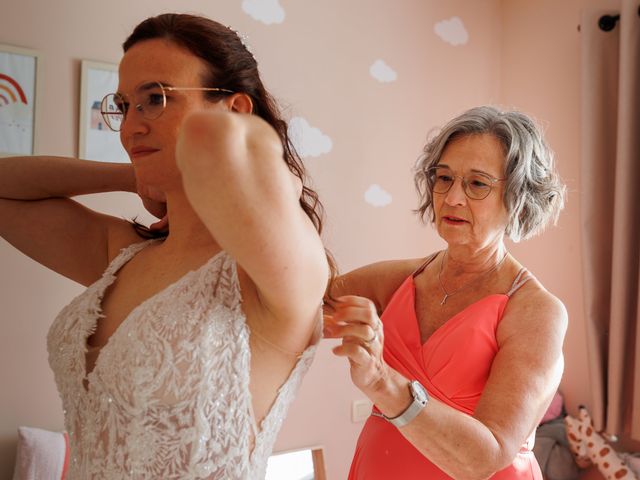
42	455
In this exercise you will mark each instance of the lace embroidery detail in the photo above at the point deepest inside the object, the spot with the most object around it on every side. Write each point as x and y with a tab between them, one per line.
169	394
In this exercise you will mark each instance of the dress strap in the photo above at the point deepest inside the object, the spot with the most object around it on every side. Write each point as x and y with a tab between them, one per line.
429	259
126	254
523	277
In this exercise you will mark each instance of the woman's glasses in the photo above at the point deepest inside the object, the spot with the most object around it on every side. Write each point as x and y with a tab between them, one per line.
475	185
149	99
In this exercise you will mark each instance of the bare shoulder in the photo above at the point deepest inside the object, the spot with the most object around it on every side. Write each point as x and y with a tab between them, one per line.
64	235
377	281
121	234
527	368
534	312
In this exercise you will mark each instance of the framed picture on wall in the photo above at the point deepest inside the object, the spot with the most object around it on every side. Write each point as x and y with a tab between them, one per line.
18	100
299	464
96	141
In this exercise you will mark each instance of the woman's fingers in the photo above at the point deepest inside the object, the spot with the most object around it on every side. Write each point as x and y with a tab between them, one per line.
162	224
356	321
348	300
371	345
351	324
328	326
356	308
355	313
354	300
345	313
355	352
353	317
363	332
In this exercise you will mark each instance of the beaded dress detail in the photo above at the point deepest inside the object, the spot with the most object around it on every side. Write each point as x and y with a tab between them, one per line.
169	395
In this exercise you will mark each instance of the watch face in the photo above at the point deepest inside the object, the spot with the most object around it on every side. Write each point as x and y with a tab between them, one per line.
419	393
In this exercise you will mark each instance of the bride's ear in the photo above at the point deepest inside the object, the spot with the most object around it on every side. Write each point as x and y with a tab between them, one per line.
239	103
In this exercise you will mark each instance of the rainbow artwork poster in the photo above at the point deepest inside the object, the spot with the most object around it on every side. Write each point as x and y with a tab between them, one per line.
17	101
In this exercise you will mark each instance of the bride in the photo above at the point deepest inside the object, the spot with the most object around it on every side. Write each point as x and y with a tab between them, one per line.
182	356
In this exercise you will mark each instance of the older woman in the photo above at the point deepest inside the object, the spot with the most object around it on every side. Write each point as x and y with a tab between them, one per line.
467	351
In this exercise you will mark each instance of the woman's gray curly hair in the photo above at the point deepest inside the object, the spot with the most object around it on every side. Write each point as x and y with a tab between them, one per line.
534	193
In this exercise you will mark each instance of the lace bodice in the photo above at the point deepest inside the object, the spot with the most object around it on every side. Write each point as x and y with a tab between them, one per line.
169	395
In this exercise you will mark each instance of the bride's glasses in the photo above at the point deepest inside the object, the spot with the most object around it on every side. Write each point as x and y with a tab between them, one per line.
150	99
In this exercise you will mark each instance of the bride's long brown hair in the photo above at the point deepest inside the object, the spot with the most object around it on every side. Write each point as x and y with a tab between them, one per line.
230	65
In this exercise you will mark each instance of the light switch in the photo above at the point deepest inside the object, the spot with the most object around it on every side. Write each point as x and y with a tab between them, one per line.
360	410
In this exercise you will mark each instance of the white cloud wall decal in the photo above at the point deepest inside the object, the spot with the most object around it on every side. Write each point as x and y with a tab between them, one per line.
377	196
382	72
309	141
265	11
452	31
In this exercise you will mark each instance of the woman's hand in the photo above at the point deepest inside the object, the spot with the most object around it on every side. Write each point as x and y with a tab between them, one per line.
155	202
355	321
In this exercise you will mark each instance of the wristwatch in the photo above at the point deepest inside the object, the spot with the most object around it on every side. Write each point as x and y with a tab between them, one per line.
420	400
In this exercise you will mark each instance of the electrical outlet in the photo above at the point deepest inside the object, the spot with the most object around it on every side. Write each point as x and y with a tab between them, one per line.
360	410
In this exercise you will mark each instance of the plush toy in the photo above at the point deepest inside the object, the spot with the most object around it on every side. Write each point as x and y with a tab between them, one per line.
590	447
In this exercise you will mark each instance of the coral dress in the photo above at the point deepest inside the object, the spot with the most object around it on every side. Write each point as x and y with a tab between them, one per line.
453	365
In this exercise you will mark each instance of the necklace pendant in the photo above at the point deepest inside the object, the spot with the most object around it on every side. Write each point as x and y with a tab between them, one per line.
444	299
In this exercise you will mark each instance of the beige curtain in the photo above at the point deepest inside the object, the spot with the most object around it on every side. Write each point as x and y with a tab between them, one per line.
610	215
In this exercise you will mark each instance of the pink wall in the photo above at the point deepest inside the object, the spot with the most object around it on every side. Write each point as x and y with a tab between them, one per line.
540	75
519	53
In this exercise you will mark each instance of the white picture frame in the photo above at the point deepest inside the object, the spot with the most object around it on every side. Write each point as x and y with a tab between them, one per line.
306	463
20	84
95	140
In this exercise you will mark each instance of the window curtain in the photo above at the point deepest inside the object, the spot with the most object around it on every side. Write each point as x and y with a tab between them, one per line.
610	214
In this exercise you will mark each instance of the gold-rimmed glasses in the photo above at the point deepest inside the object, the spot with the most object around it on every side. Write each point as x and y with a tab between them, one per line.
149	99
476	185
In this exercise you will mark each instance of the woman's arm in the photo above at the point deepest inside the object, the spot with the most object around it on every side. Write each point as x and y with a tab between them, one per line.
377	281
236	180
38	217
42	177
525	374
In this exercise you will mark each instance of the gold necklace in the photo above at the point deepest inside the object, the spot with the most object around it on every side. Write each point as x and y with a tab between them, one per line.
482	275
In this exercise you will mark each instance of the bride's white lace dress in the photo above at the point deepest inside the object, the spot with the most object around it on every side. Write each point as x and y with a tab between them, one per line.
169	395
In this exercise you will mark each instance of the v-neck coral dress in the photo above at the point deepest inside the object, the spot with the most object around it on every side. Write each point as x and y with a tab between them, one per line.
453	365
169	395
